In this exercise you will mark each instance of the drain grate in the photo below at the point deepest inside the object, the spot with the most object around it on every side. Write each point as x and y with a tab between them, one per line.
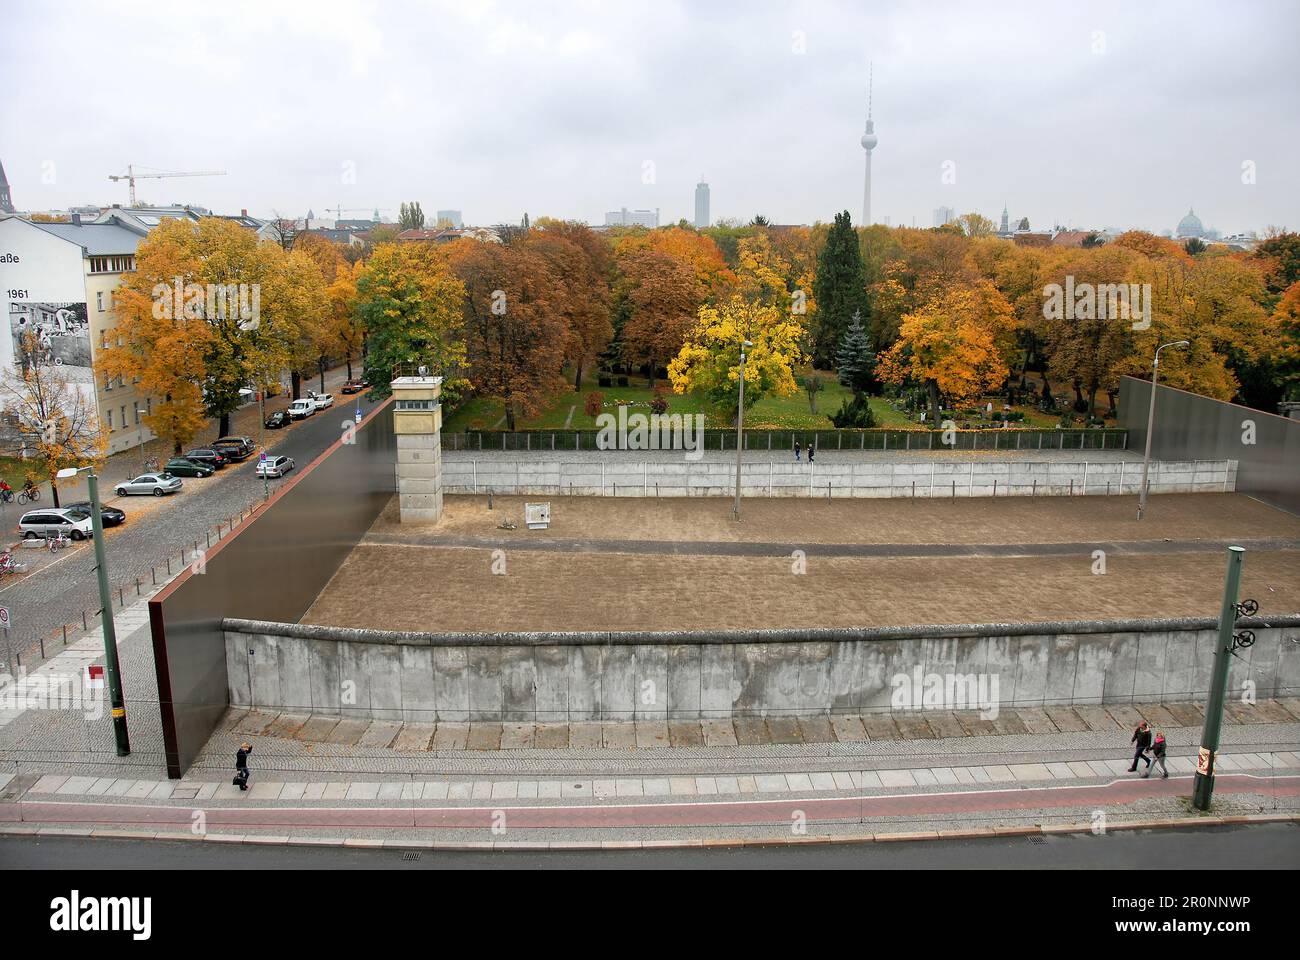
1033	839
411	855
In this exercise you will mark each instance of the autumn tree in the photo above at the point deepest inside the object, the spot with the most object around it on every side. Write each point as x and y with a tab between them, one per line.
709	362
953	346
410	304
581	264
54	410
839	289
514	324
661	296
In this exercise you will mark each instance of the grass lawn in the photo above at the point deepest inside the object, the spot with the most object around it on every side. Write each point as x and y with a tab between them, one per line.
15	471
769	413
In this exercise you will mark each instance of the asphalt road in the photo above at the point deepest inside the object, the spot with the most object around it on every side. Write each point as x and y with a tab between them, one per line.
1260	847
156	531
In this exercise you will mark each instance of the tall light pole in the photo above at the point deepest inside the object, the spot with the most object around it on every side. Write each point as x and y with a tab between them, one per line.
740	425
1203	784
111	668
1151	423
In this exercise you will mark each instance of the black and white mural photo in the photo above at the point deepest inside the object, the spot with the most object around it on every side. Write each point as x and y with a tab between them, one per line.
62	336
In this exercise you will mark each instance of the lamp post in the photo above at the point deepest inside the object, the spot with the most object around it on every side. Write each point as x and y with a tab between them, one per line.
1151	423
111	668
740	425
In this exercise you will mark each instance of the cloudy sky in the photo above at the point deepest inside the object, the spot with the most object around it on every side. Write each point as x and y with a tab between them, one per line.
1092	114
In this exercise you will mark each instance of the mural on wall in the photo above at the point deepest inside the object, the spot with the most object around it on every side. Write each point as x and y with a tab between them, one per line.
62	332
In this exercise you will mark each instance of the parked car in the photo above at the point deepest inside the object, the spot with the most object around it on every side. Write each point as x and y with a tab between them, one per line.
108	516
73	524
184	467
157	484
274	466
208	456
235	448
302	408
353	386
278	419
323	401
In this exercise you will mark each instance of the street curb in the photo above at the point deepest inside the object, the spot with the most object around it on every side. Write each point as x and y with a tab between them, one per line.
371	843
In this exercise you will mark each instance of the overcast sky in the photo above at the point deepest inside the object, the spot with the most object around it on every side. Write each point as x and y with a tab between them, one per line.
1101	115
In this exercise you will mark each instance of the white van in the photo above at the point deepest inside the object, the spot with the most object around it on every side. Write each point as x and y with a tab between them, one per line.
54	522
301	408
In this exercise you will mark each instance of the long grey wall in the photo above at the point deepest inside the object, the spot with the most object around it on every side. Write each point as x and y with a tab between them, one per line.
618	476
622	676
1194	427
274	565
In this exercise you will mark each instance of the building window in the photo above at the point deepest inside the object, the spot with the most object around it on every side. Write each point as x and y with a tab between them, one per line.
99	301
137	413
124	416
110	421
417	404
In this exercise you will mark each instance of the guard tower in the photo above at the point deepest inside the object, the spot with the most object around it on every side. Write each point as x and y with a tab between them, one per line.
417	423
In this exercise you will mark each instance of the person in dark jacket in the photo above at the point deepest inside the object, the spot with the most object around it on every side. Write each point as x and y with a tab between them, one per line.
811	450
241	765
1158	755
796	451
1142	739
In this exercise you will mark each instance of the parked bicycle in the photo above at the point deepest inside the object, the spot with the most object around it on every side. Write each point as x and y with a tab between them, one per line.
9	565
57	542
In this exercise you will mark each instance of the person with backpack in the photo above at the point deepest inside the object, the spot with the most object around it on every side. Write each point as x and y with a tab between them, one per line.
1158	755
1142	738
241	766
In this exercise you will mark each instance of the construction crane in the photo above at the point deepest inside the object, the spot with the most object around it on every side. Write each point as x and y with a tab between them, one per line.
131	176
339	211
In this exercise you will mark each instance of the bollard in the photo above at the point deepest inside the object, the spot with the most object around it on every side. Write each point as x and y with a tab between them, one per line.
153	575
137	586
65	634
489	499
169	565
42	642
120	601
995	486
209	535
913	489
1072	486
954	489
84	625
1033	492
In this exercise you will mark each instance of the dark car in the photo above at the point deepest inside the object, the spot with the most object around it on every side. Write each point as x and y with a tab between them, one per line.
353	386
184	467
277	420
208	456
234	448
108	516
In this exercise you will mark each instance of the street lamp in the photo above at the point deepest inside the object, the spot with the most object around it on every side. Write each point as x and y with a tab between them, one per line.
740	425
1151	423
111	667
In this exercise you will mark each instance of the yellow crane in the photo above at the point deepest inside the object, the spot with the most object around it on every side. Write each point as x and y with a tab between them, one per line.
131	176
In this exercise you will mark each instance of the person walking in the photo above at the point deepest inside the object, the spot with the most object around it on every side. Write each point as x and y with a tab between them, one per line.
241	766
811	450
796	451
1142	738
1158	756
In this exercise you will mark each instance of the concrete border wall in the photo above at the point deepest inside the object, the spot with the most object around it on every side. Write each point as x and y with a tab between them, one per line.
273	565
1190	426
560	677
621	477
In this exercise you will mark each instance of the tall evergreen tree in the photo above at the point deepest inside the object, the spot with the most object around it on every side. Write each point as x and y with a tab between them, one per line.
411	217
840	288
854	360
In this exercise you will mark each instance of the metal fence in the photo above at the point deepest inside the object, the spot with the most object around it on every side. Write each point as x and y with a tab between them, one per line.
545	441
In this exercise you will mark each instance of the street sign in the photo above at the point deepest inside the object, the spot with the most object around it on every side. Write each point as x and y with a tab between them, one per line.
95	677
4	617
262	456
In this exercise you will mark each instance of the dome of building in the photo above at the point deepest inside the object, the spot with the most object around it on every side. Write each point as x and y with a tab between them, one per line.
1190	226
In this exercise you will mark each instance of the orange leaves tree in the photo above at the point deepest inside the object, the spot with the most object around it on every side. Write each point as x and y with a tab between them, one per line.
513	318
955	345
660	296
581	264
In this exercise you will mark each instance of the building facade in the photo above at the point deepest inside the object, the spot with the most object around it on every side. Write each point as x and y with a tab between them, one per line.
57	282
632	218
701	205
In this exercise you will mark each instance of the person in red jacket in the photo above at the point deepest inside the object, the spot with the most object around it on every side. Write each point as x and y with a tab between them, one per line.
1158	755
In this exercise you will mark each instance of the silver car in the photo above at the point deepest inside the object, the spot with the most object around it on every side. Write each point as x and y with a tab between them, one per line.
73	524
157	484
274	466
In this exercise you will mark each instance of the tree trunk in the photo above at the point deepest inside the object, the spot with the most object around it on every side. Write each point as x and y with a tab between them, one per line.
224	429
933	387
577	379
349	363
295	378
322	375
54	491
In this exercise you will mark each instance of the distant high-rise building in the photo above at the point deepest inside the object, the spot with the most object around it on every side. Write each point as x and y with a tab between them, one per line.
6	203
1004	227
868	144
632	218
451	216
701	205
942	215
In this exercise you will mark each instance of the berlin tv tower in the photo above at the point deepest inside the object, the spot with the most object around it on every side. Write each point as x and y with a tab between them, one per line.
868	144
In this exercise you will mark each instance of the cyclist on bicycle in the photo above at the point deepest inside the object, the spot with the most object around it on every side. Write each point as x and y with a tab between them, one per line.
6	491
